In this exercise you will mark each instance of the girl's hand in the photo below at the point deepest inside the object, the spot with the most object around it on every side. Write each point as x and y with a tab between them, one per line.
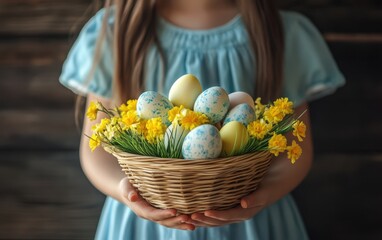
249	206
143	209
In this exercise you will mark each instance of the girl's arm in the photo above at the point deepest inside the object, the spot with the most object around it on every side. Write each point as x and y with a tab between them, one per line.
106	175
281	179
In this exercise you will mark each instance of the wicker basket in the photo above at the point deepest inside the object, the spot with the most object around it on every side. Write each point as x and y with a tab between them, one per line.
194	185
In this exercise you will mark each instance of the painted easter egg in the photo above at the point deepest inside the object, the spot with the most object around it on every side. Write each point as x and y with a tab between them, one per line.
214	103
151	104
234	137
202	142
242	113
237	98
184	91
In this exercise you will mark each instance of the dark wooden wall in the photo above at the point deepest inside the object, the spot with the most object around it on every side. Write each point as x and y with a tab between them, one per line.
43	192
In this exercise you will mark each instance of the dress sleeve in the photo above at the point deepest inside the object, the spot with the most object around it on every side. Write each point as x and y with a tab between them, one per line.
76	71
310	71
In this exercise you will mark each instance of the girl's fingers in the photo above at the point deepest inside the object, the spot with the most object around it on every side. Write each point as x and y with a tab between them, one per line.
145	210
201	220
256	199
235	214
127	190
140	206
179	222
199	223
249	206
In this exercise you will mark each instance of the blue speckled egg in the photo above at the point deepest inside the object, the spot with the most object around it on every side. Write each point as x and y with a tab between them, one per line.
202	142
214	103
243	113
151	104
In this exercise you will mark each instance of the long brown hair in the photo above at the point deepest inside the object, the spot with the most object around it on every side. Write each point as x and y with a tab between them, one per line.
134	32
266	34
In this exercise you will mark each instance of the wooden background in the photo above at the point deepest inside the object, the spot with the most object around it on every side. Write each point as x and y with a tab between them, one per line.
43	192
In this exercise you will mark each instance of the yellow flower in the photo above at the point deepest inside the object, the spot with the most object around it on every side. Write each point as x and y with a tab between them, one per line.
99	128
129	118
111	129
92	111
140	127
131	105
285	106
259	108
94	142
193	119
299	130
274	115
294	152
259	128
174	112
277	144
155	129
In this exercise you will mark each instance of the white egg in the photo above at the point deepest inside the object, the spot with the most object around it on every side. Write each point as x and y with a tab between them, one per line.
237	98
241	113
214	103
184	91
151	104
202	142
175	135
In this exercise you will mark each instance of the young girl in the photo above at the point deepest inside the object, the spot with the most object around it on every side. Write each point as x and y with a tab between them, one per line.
241	45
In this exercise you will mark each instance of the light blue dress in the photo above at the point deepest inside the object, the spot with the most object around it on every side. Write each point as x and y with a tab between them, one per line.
220	56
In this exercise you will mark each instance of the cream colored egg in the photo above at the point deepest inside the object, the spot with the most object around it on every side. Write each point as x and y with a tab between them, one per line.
237	98
174	136
234	137
184	91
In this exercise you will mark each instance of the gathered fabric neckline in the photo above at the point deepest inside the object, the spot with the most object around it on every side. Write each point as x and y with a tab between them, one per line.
172	36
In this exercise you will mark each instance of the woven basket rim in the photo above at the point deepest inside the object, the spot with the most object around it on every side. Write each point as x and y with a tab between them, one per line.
120	154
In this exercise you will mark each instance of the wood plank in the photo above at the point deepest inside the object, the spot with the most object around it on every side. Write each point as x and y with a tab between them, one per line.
46	196
38	130
351	127
43	17
30	69
34	52
33	87
353	37
340	198
344	18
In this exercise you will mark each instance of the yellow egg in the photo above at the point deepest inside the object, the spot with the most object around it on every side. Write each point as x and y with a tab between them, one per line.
184	91
237	98
234	136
